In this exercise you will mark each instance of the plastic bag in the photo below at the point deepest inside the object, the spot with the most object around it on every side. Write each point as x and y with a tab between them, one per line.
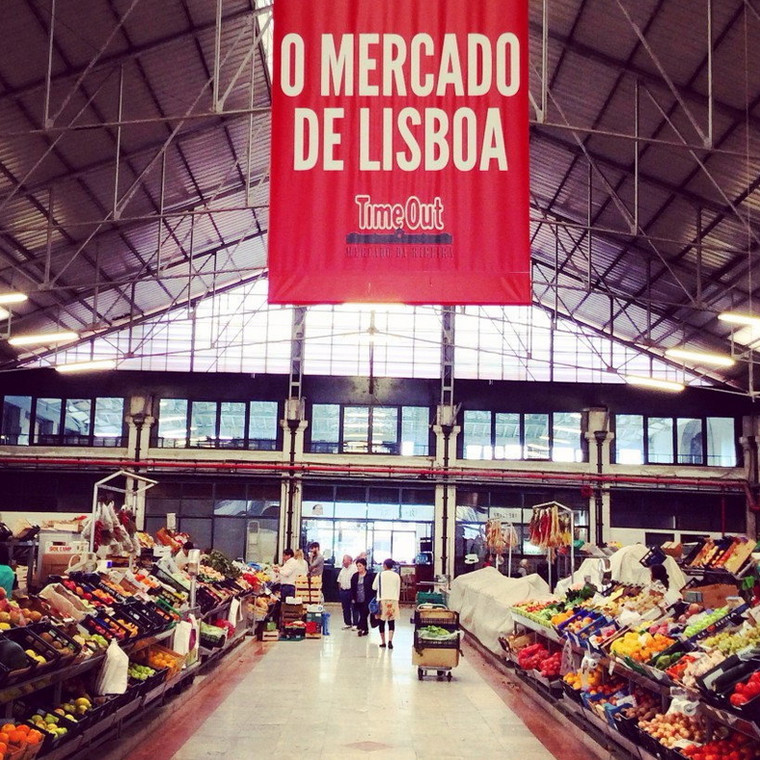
182	634
113	675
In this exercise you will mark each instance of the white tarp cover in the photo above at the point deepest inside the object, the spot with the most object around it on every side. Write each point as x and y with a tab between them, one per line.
483	598
625	568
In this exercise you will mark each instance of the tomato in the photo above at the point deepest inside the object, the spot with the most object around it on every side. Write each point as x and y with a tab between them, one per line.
737	699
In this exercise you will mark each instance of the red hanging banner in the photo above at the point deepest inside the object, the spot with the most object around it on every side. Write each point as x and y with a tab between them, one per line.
400	152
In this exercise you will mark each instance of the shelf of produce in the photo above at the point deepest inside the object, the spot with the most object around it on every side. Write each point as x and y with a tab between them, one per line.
148	641
736	722
155	693
15	690
532	625
721	716
575	710
210	655
638	678
216	610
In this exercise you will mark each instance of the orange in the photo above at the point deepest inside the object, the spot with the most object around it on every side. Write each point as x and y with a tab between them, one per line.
16	737
3	737
23	728
3	748
9	727
34	738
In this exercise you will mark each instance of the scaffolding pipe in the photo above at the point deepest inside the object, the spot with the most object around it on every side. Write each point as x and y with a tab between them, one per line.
459	473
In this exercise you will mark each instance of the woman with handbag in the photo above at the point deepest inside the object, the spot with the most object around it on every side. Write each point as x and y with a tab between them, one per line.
388	587
362	594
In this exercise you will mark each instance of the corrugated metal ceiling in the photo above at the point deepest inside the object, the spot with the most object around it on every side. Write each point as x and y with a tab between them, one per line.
86	198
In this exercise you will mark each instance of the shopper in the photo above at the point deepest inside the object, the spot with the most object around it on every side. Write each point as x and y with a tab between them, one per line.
303	565
361	593
522	568
388	587
316	561
287	574
347	571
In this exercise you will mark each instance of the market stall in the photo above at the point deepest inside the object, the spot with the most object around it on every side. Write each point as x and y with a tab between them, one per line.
97	645
663	679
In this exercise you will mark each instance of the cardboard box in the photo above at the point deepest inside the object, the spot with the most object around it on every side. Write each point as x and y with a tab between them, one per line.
437	657
711	596
673	549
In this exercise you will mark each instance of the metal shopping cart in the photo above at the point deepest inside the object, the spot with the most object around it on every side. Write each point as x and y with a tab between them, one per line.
436	640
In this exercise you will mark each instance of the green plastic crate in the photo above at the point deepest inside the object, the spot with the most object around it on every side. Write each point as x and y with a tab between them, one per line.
430	597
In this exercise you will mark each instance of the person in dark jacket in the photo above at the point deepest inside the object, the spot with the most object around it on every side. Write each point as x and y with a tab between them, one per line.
361	593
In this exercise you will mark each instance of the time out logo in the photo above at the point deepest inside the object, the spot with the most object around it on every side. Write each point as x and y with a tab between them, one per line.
413	228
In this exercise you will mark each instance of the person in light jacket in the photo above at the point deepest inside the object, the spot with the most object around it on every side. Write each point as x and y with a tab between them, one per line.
387	584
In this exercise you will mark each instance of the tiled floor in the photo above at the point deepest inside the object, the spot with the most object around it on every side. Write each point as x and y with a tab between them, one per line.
344	697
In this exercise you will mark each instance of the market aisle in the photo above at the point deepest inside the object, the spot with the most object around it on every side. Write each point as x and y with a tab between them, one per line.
344	697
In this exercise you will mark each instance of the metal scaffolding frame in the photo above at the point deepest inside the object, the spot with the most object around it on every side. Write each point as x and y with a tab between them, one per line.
134	173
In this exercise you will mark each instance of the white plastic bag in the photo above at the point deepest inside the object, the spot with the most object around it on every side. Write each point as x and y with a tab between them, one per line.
182	632
113	675
234	613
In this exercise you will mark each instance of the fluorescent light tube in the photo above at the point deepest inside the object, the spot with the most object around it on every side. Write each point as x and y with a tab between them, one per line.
653	382
43	339
92	366
701	357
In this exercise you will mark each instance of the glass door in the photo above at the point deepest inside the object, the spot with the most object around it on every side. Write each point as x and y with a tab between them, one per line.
405	546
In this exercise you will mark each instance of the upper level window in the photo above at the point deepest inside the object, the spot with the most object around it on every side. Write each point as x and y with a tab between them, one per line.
108	423
415	431
63	422
217	424
675	440
17	420
325	428
629	439
660	440
721	442
263	420
510	435
369	429
47	421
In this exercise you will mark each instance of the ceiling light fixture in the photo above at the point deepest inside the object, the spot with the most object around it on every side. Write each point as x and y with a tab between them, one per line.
6	298
654	382
44	339
735	318
97	364
701	357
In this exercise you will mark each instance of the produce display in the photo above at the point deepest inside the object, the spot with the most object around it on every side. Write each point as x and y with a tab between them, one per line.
436	633
671	729
681	681
640	646
68	625
745	691
729	553
730	642
735	747
140	672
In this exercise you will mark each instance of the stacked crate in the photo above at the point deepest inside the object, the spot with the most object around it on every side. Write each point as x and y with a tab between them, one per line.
290	613
309	590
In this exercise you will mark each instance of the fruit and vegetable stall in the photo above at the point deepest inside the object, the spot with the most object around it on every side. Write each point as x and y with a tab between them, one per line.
92	650
670	682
